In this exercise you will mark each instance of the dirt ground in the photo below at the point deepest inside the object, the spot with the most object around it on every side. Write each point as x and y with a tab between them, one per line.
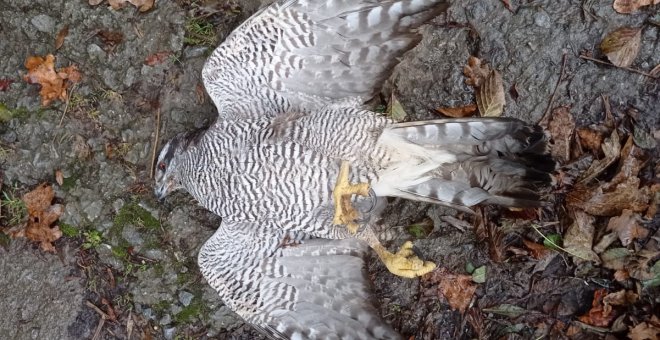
126	264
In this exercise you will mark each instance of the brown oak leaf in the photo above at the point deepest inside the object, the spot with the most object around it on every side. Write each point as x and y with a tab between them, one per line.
629	6
622	45
42	214
54	83
457	289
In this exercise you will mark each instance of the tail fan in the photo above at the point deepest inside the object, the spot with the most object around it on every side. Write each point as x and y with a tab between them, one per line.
464	162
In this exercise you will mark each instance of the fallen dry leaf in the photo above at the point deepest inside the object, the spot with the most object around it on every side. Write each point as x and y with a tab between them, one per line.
561	126
61	35
644	331
458	112
590	139
157	58
627	227
475	72
5	83
603	200
142	5
54	84
620	298
457	289
611	149
655	71
629	6
538	251
643	266
621	275
488	86
95	2
490	96
579	237
598	315
110	38
622	45
59	177
41	215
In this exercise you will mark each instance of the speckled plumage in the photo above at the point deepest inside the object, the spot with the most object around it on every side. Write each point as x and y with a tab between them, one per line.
288	84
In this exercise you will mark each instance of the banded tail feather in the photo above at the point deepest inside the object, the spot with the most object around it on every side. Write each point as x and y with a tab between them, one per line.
464	162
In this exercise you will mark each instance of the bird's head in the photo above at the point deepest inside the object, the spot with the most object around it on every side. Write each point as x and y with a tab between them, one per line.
166	173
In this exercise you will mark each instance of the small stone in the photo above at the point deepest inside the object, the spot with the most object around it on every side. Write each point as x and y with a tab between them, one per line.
169	333
165	320
117	205
129	79
107	257
542	19
95	52
194	51
34	332
93	210
154	254
43	23
132	236
149	313
185	298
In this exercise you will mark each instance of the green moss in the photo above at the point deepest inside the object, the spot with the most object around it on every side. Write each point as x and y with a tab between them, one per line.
93	239
200	32
159	269
191	312
161	306
120	252
7	114
133	213
69	230
69	182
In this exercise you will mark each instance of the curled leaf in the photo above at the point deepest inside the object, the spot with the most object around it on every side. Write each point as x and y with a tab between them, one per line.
622	45
627	227
42	214
629	6
54	83
458	112
61	35
490	96
561	126
579	238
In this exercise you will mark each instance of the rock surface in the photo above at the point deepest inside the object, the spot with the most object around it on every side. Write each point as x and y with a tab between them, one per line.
103	142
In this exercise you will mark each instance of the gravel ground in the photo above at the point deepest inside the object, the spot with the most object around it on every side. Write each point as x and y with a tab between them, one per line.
102	141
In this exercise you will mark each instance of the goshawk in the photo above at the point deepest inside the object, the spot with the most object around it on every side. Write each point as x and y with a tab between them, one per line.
293	159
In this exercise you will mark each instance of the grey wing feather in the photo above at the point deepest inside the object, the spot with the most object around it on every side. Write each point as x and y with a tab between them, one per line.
344	47
314	290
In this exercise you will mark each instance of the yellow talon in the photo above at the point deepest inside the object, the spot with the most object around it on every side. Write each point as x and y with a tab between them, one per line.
404	263
345	213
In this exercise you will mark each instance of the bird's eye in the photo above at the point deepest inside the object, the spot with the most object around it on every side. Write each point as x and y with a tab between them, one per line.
162	166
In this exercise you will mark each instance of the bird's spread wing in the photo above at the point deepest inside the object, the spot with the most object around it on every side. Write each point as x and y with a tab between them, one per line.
298	55
314	290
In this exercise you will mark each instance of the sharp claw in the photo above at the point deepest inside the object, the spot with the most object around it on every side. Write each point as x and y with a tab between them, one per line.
345	213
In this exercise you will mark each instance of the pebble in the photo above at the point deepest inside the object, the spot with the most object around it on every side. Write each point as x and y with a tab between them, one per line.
185	298
43	23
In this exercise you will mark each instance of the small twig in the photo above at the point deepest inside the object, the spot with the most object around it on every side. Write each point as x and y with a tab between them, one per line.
129	325
97	309
99	327
551	242
582	56
104	316
545	117
66	105
153	152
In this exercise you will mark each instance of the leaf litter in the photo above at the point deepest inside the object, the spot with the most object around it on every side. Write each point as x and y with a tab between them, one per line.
54	83
42	215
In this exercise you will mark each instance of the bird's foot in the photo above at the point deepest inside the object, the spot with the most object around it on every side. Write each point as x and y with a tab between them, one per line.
345	213
404	262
